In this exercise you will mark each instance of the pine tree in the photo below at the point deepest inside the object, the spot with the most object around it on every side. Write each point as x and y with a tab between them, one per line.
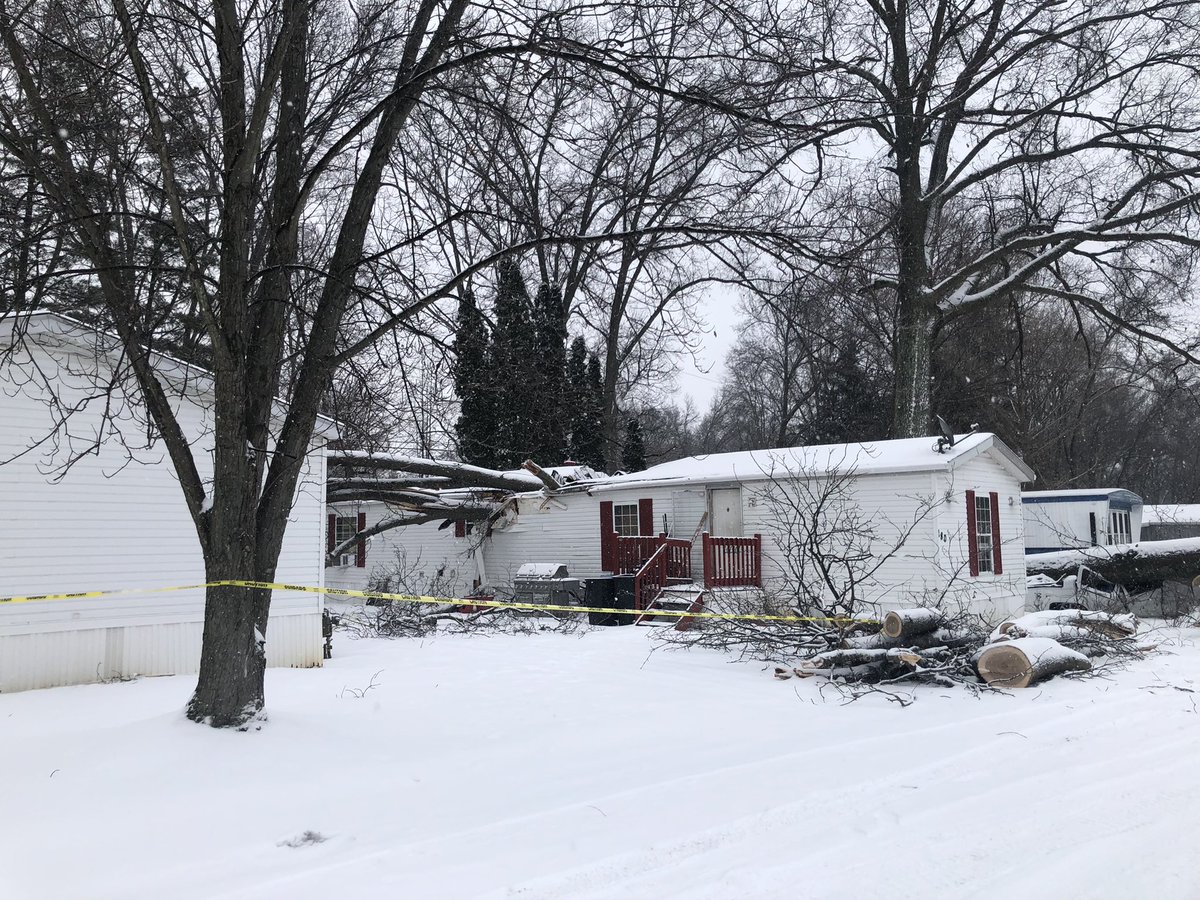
633	451
587	437
848	406
511	367
548	436
476	421
576	390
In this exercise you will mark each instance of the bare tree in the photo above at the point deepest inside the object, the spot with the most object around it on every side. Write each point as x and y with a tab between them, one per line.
992	146
548	152
237	174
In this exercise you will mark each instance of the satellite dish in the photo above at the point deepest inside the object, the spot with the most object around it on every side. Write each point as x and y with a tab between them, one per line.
947	438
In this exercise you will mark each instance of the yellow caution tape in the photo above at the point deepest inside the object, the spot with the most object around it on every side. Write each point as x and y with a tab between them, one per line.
82	595
447	601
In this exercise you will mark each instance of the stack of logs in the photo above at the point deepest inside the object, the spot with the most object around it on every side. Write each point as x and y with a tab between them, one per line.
923	645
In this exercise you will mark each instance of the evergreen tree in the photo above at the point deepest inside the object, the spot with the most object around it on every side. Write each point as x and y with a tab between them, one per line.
477	420
576	390
511	369
633	451
548	437
848	406
587	436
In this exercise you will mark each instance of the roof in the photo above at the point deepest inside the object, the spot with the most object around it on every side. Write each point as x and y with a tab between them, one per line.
1081	495
44	321
1171	514
870	458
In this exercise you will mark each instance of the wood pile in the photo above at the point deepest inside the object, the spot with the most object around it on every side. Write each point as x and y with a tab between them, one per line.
926	645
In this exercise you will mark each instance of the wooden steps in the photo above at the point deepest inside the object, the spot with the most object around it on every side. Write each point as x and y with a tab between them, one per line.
679	597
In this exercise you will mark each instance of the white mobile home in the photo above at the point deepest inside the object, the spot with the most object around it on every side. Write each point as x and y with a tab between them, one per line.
1082	517
898	520
1170	521
115	520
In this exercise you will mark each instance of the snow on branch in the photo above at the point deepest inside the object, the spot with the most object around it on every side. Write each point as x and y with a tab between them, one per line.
456	474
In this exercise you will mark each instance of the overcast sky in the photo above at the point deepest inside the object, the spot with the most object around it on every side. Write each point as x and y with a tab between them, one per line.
701	382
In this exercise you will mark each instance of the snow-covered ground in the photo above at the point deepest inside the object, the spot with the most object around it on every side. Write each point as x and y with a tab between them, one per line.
585	766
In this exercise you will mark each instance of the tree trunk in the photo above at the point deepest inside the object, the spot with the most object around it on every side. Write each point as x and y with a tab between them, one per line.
233	661
906	623
1026	661
913	354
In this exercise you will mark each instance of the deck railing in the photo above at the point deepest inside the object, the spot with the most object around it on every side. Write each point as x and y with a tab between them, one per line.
732	561
651	578
634	552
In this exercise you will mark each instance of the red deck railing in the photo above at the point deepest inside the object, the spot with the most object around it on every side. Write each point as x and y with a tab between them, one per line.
728	561
651	578
634	552
732	561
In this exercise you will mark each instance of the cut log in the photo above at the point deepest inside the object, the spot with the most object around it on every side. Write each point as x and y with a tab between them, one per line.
907	623
1103	624
1026	661
1060	633
939	638
845	659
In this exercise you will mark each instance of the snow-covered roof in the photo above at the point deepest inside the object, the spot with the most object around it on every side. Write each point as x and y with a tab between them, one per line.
1078	494
872	458
1171	514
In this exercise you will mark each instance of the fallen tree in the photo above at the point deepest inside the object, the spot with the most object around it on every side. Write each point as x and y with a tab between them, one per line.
422	491
1141	566
929	646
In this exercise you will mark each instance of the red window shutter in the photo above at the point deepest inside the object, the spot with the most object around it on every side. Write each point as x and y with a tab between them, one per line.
972	545
360	558
460	529
608	538
646	516
997	562
331	533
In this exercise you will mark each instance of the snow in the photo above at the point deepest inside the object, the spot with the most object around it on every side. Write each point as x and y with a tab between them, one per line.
557	766
875	458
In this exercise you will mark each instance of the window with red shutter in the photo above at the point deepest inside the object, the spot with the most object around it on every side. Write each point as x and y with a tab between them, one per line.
997	560
972	543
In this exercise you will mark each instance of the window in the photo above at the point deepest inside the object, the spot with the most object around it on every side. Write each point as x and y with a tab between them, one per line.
347	527
983	532
625	519
1120	530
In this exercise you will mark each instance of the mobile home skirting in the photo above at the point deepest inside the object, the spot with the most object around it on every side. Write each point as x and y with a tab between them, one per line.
48	658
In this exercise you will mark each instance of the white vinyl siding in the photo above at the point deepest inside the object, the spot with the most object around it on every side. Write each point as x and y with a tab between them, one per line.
117	520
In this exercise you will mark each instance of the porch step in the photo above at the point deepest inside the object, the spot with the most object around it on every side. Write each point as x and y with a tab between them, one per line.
689	598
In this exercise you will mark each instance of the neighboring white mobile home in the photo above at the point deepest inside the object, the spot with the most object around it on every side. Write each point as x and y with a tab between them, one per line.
901	521
115	520
1170	521
1083	517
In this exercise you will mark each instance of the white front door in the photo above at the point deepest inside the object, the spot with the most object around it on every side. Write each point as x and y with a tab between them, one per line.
726	512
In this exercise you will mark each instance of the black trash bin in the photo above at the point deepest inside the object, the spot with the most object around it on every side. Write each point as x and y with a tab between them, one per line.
598	592
623	598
